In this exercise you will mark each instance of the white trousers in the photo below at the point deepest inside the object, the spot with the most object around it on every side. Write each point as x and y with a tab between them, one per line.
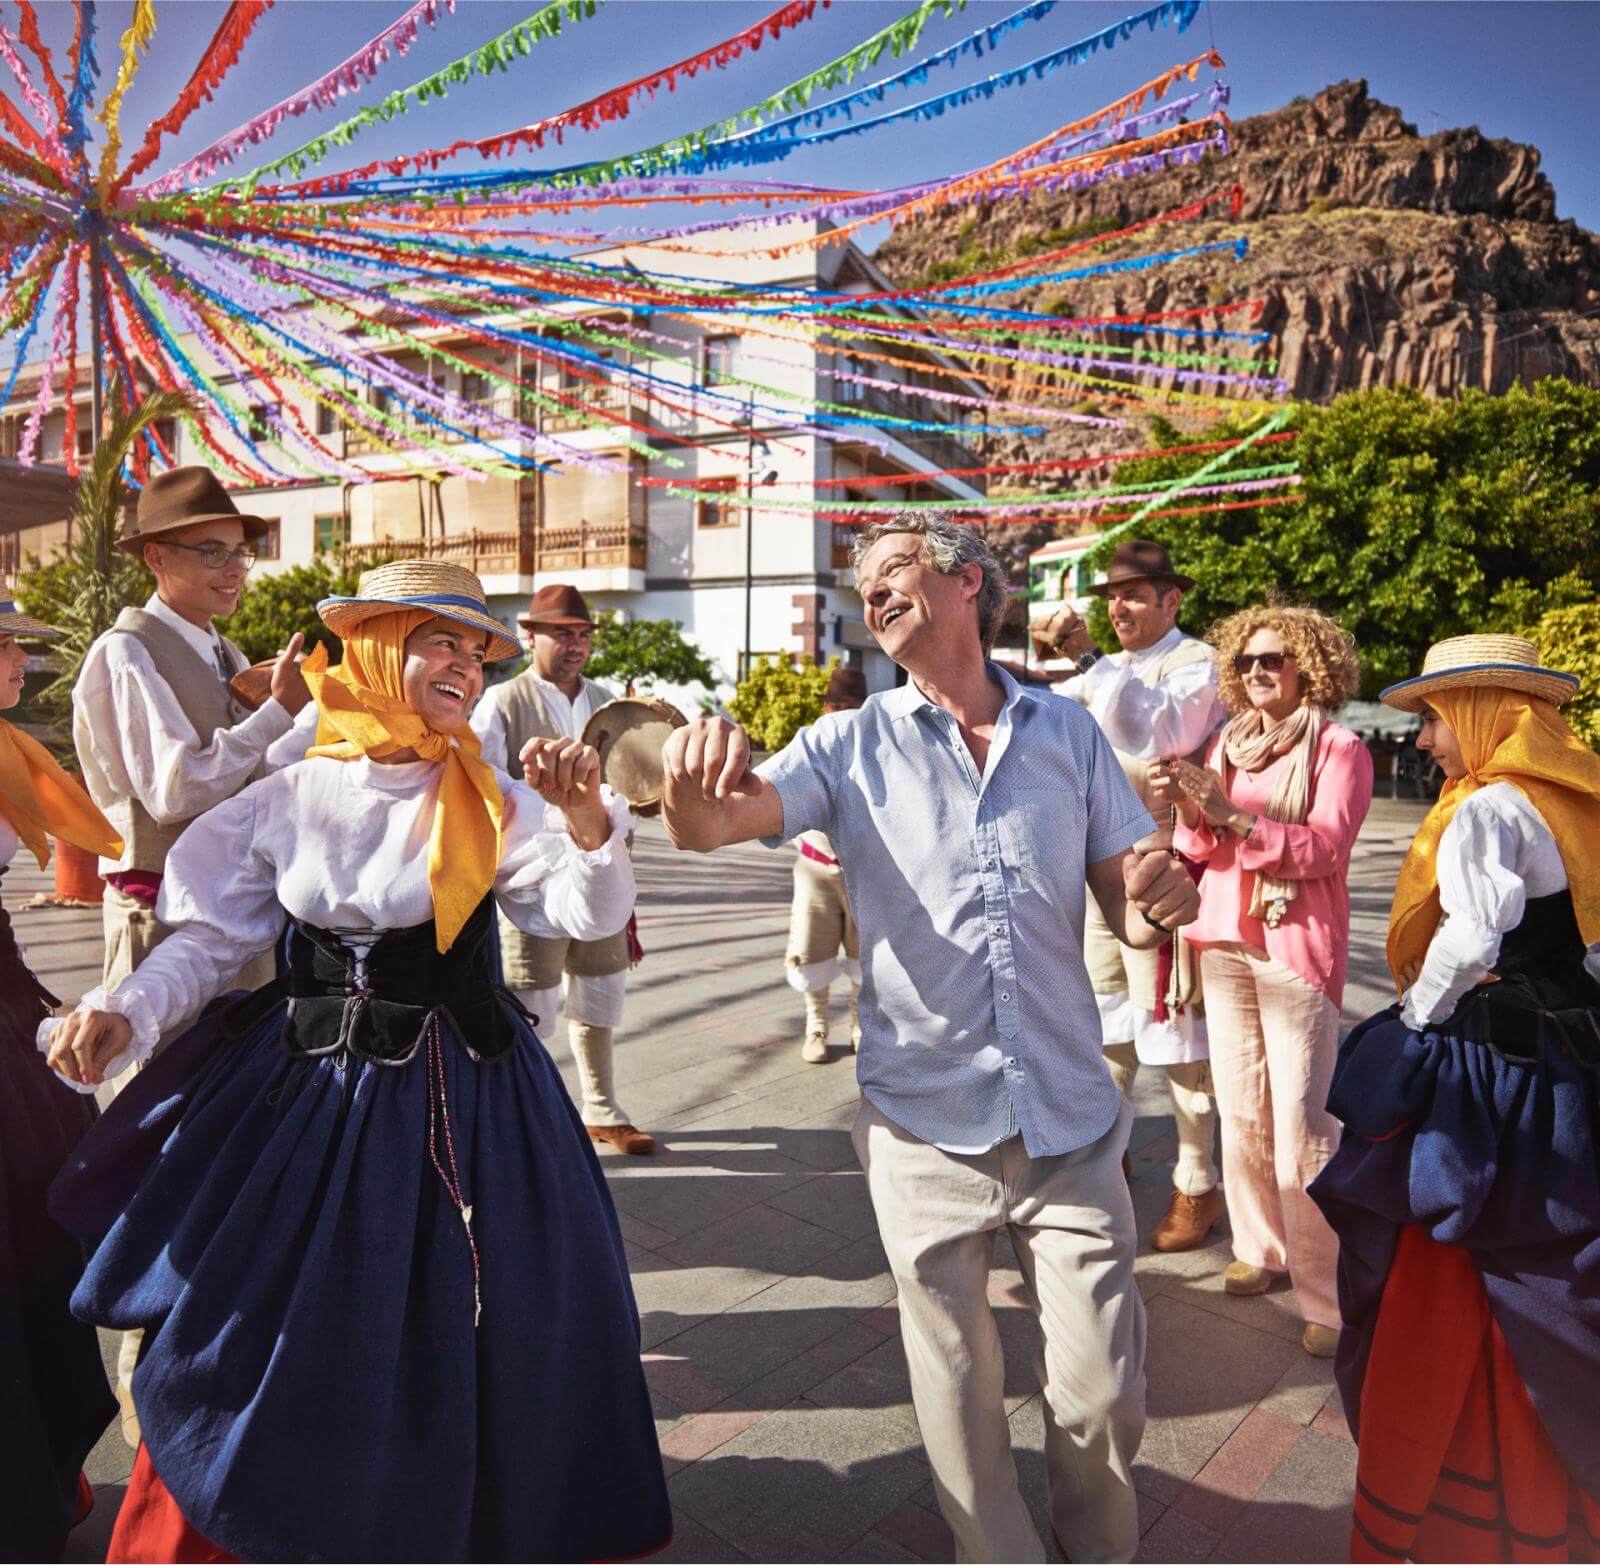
594	1010
1070	1219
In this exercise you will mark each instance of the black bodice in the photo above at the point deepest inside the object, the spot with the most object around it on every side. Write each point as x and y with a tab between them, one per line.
24	1001
1542	979
377	1003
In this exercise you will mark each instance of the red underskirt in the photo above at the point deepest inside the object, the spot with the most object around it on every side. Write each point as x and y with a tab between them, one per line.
1454	1462
151	1530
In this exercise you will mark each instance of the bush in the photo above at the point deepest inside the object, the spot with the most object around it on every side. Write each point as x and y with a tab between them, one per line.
645	650
272	608
1569	640
776	700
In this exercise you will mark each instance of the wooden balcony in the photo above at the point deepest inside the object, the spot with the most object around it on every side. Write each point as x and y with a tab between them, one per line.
485	554
585	545
593	406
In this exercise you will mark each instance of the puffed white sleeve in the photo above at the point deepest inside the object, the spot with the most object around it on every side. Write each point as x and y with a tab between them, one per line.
219	895
1482	892
488	722
547	884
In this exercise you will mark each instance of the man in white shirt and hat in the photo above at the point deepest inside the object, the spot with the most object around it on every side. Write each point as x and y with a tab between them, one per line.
551	699
1154	700
160	737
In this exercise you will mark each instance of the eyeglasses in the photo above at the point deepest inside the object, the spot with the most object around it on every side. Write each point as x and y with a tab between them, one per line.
1272	662
218	557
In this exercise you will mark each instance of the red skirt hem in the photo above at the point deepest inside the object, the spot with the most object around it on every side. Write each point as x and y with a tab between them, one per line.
151	1530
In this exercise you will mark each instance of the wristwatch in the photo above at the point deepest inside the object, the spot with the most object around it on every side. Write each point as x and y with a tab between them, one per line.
1089	659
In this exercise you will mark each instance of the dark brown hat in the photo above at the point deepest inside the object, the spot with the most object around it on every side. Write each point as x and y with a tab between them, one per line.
846	687
557	604
1138	559
184	497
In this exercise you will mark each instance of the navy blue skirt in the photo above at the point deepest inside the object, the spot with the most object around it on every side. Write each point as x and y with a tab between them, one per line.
313	1386
54	1400
1499	1155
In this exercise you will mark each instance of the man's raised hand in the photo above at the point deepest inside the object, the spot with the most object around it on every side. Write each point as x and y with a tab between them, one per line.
712	756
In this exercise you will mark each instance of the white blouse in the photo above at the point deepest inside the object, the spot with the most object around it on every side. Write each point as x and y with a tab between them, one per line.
343	845
1494	856
9	840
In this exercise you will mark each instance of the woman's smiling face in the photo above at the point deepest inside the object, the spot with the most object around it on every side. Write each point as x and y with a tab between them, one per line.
444	672
13	665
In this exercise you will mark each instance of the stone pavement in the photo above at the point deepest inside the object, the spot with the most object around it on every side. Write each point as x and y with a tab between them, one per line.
769	1316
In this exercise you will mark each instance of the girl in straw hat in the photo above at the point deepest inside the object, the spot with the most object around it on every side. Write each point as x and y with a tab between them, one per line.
386	1305
56	1402
1466	1192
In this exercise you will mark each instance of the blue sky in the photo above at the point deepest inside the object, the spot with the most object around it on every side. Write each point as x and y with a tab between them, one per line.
1523	71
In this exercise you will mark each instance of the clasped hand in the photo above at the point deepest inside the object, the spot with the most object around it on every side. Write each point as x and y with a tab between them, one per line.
1158	886
1061	634
1184	784
85	1042
565	773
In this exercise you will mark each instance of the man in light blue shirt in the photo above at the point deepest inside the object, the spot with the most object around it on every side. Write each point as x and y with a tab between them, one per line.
969	813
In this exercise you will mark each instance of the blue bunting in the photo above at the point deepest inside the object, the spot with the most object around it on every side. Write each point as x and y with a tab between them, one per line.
76	131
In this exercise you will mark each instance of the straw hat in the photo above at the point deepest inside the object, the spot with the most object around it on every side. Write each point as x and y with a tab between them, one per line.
184	497
1465	662
450	591
13	623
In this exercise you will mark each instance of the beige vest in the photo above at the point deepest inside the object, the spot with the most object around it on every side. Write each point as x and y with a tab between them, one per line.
527	717
1187	651
202	697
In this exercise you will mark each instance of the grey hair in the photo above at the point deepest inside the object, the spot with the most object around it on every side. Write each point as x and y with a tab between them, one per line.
949	547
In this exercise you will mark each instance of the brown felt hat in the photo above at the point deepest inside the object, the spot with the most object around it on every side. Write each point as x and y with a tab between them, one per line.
846	687
557	604
182	497
1138	559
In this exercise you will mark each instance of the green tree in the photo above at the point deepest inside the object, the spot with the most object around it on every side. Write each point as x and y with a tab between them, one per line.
641	651
1417	519
1568	639
272	608
83	589
775	700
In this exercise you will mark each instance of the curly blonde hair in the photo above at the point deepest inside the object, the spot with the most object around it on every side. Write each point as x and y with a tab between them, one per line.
1324	655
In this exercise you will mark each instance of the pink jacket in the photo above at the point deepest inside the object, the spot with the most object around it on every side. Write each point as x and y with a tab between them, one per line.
1314	936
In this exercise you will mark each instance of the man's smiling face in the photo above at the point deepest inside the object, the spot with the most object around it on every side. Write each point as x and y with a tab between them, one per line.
907	601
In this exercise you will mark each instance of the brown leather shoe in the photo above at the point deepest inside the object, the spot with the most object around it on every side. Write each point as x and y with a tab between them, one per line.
1189	1219
1245	1281
1321	1342
624	1138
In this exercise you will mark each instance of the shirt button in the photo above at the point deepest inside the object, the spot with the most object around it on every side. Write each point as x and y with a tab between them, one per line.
988	863
1005	994
1011	1059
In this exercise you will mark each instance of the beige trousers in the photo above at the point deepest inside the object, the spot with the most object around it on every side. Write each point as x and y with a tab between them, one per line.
1194	1113
1274	1039
1071	1224
133	931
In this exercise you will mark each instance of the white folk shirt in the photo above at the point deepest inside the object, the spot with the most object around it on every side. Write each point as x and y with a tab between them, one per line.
134	742
1150	722
1495	854
489	720
343	845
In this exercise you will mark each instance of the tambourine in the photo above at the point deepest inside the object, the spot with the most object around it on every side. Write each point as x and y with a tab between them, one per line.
628	735
252	687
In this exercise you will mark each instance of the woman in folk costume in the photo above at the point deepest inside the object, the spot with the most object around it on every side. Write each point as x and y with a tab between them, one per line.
387	1310
1466	1192
54	1401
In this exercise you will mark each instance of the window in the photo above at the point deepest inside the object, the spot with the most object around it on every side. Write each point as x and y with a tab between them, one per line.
717	359
166	432
717	513
269	546
86	439
474	387
327	420
257	423
330	533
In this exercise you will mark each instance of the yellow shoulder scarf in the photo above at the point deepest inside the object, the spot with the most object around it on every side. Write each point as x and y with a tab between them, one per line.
1505	736
363	712
42	801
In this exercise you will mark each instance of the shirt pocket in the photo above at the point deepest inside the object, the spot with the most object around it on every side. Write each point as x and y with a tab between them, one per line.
1042	834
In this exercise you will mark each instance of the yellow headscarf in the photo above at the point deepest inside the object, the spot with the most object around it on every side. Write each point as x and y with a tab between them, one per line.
38	798
363	711
1505	736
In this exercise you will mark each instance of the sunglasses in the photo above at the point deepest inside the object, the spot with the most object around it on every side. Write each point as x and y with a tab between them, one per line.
1272	662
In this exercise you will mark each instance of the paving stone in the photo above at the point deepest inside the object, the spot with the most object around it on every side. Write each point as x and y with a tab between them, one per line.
923	1536
671	1298
1303	1390
757	1237
1178	1539
838	1201
636	1231
696	1544
740	1346
699	1436
805	1482
1302	1512
1275	1312
1246	1459
874	1547
1204	1373
1331	1420
877	1379
801	1375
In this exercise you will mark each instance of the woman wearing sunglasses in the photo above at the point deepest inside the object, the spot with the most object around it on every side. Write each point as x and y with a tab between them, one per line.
1272	817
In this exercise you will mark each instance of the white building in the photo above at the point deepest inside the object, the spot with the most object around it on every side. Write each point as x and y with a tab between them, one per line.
631	546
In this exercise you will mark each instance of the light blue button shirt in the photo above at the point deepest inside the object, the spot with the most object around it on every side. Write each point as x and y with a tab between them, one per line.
977	1017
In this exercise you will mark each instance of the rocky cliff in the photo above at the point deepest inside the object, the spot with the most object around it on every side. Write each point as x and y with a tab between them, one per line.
1384	257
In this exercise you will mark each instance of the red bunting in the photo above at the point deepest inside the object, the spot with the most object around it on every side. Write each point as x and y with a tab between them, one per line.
218	58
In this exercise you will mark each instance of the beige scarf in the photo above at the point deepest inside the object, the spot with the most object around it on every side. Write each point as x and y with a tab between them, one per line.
1248	744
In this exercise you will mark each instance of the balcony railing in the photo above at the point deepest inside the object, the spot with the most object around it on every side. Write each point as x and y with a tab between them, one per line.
585	545
592	405
938	447
484	553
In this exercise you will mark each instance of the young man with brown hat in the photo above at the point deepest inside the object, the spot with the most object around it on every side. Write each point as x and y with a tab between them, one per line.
820	921
1154	700
160	737
551	699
